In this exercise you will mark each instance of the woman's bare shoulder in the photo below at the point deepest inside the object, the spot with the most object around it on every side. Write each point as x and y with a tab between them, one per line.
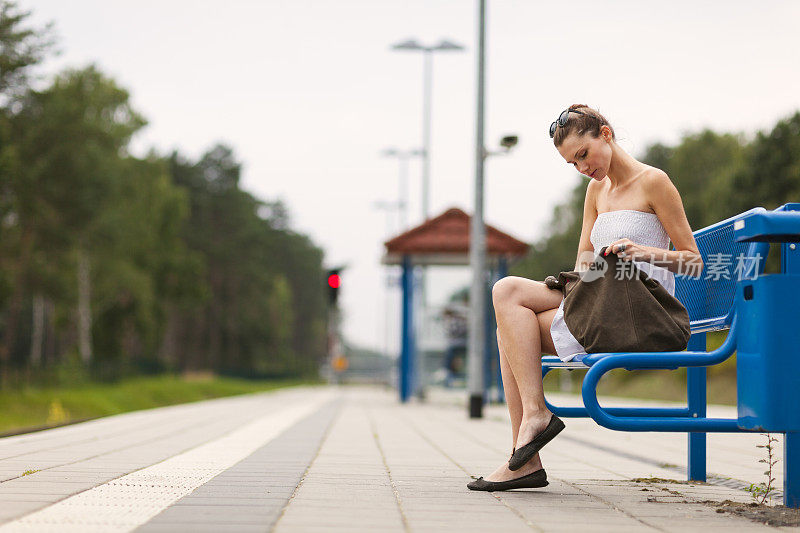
654	176
656	186
662	194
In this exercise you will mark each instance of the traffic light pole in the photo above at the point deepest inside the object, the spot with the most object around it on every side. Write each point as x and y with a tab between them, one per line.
333	282
334	346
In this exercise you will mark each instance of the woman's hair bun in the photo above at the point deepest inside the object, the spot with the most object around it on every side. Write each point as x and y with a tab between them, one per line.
588	121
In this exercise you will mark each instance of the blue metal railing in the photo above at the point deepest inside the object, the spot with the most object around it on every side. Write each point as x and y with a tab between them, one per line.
600	364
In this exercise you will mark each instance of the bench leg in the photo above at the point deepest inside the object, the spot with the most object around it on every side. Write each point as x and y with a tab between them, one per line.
696	399
791	470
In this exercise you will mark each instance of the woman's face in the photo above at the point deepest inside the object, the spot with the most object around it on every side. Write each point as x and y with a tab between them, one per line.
591	156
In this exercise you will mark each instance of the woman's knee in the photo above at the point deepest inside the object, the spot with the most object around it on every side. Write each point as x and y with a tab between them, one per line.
534	295
504	290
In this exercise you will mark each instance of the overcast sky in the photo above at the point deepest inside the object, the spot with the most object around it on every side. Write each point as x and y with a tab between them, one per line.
308	94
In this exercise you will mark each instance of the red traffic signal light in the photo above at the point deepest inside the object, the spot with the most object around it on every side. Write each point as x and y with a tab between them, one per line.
333	280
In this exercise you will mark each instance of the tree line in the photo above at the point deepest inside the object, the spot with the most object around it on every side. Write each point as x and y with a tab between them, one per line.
111	261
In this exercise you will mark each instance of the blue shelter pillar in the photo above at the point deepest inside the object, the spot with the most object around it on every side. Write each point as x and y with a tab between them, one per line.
491	354
407	351
502	271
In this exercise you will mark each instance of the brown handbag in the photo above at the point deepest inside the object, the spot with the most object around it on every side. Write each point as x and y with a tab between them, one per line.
634	313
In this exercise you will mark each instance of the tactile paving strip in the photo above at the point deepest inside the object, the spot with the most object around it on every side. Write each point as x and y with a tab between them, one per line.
251	495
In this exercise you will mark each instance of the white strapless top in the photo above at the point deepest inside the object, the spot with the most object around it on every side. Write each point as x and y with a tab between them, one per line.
639	226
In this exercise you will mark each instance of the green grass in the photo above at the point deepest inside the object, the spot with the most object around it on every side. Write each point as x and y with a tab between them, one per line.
28	407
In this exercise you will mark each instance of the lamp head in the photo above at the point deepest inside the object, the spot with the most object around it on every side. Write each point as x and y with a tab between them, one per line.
410	44
444	44
509	141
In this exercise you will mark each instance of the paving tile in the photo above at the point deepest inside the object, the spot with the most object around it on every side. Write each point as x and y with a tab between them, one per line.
206	527
382	466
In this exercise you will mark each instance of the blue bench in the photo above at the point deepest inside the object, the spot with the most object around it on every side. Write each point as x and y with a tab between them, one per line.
759	310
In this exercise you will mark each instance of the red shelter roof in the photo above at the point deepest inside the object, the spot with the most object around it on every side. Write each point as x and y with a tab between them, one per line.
445	240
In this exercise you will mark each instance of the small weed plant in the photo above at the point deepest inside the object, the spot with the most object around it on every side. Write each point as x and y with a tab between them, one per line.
761	491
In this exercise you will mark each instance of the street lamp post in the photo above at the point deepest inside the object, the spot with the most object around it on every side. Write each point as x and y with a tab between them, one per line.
427	83
477	260
427	86
402	194
477	249
389	206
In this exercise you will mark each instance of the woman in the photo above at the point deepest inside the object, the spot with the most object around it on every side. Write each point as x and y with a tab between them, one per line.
632	208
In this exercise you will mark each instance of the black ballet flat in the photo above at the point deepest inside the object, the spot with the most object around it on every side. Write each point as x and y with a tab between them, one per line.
533	480
525	453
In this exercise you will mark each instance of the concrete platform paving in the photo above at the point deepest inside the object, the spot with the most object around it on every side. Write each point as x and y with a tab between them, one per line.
354	459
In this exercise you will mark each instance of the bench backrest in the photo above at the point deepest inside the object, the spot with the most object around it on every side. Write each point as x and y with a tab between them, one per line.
709	297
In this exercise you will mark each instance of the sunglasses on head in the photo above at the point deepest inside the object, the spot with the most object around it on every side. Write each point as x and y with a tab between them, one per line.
562	120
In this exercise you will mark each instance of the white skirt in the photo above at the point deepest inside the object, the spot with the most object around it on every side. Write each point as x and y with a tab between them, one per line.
567	347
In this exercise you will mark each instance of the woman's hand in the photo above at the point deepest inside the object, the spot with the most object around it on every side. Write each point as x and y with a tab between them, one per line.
628	250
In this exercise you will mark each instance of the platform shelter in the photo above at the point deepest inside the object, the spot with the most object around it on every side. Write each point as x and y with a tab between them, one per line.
444	241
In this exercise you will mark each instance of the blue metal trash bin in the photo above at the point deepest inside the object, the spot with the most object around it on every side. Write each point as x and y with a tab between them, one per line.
768	353
768	347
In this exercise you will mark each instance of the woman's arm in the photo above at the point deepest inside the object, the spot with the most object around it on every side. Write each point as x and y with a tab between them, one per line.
684	262
589	216
665	200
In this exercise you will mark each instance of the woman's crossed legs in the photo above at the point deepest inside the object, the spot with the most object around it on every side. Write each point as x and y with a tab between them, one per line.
524	309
